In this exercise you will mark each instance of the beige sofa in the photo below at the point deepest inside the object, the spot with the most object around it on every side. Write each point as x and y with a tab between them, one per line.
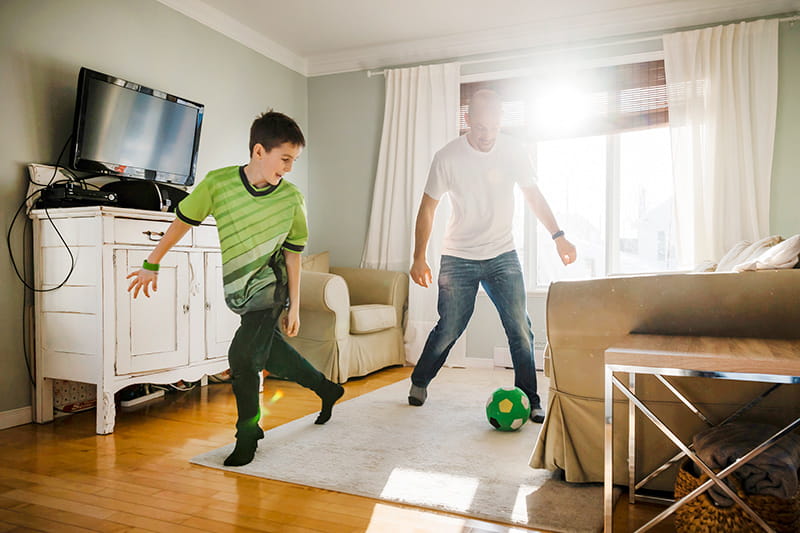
351	319
586	317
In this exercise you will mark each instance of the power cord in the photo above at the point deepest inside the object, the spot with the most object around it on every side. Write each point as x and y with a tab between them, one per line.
28	287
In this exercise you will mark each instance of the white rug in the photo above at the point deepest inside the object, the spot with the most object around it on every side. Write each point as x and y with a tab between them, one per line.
443	455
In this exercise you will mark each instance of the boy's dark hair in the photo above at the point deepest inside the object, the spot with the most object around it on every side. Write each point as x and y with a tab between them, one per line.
272	129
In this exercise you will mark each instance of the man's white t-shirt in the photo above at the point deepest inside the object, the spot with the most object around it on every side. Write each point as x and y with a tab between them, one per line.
481	188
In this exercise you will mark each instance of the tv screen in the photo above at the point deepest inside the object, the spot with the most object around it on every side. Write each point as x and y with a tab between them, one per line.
124	129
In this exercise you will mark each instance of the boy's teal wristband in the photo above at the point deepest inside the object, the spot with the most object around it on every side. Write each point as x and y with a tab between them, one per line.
152	267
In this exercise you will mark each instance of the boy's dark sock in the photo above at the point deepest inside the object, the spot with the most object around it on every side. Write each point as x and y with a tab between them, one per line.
243	453
329	392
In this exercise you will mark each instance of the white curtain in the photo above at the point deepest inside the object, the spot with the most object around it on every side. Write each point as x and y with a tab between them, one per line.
722	89
420	117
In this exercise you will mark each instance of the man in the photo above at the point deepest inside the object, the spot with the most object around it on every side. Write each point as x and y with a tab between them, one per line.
479	171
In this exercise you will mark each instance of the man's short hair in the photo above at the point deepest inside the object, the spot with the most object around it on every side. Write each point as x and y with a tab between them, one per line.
487	99
272	129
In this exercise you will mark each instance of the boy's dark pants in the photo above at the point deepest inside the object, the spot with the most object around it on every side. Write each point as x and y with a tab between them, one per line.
259	344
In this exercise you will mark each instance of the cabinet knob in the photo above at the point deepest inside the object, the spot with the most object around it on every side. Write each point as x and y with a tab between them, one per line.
151	234
185	308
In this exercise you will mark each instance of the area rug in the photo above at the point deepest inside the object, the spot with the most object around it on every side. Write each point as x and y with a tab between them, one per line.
444	456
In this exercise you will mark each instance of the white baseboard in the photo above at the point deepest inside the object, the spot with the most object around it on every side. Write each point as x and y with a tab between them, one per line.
16	417
478	362
502	357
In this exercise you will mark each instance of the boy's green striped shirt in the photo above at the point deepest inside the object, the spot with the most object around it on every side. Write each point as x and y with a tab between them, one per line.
254	226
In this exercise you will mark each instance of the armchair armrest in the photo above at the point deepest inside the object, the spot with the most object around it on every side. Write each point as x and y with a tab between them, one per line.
372	286
324	293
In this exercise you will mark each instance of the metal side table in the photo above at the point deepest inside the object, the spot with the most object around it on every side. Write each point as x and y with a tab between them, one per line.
742	359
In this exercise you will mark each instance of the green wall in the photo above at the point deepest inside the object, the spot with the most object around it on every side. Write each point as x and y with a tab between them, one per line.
43	44
344	139
785	193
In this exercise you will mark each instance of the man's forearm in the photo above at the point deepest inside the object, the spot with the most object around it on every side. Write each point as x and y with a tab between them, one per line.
424	226
540	208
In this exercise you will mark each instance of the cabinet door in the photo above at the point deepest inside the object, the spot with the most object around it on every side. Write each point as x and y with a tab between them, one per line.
152	333
221	322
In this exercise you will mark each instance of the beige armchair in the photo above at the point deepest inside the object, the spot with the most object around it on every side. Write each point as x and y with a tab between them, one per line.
351	319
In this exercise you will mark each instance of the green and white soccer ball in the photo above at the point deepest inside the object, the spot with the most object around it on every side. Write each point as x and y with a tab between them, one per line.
508	408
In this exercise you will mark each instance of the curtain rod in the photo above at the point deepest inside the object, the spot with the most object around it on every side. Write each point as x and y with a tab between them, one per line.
371	73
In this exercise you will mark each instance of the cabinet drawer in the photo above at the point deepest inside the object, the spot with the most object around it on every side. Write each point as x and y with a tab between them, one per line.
206	237
129	231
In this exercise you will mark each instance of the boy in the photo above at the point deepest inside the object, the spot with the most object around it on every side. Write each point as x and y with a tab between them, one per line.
262	231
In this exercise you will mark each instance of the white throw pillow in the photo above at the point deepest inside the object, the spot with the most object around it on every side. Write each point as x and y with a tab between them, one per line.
782	255
746	251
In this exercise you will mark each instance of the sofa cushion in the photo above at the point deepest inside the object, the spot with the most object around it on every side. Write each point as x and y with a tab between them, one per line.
369	318
316	262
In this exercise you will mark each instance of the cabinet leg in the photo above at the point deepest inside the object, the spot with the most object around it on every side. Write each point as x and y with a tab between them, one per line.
43	400
106	412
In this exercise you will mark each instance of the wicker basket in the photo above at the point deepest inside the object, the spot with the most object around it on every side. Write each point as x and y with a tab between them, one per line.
700	515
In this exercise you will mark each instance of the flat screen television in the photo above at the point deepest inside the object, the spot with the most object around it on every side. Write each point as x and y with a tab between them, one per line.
128	130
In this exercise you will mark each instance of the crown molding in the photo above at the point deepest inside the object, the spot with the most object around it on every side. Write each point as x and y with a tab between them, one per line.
233	29
660	17
646	19
663	16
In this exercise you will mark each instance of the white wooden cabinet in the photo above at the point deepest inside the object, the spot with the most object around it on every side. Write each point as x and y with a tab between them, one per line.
91	329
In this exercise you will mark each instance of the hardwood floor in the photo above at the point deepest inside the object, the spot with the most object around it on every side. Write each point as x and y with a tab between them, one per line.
61	477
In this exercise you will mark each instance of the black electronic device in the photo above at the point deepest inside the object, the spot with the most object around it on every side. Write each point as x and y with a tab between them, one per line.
125	129
72	194
145	194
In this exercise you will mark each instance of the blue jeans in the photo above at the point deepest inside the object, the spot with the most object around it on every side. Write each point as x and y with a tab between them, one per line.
501	278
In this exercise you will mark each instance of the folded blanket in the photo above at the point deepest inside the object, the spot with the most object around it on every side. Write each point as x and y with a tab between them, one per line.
772	472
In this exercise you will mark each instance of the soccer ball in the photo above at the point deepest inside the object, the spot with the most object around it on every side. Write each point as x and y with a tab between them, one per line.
508	408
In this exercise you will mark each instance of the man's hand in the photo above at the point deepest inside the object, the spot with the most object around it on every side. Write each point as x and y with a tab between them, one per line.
566	251
142	280
291	321
421	273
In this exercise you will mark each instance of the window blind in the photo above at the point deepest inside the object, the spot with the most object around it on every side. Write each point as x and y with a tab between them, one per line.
613	99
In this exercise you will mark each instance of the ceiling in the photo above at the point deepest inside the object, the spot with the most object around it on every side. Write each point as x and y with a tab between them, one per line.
315	37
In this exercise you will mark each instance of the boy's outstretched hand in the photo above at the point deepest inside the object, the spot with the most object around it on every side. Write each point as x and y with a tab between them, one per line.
142	279
291	321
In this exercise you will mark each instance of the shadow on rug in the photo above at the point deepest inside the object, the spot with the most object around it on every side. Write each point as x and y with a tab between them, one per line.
443	456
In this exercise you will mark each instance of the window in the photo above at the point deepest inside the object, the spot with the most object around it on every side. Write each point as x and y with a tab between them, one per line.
599	140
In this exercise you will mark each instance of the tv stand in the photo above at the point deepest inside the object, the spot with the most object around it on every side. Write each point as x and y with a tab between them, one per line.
91	330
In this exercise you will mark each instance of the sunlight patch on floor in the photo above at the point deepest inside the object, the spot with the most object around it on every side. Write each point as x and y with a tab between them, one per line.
387	518
423	488
520	512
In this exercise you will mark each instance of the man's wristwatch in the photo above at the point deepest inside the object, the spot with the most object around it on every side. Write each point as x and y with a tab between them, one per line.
559	233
